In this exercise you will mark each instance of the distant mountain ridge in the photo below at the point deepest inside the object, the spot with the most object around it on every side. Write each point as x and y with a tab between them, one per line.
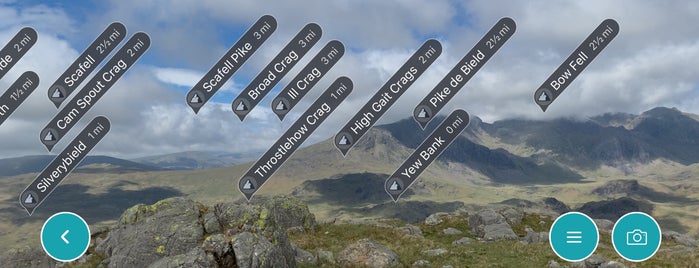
607	139
37	163
558	148
196	160
497	164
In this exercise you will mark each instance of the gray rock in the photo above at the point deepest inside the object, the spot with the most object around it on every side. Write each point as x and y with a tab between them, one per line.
463	241
535	237
195	258
421	263
447	266
368	253
179	232
220	249
211	224
612	264
253	250
594	261
435	219
580	264
435	252
304	257
512	216
410	230
553	264
498	231
486	216
681	239
452	231
325	257
604	224
147	233
26	257
263	213
490	225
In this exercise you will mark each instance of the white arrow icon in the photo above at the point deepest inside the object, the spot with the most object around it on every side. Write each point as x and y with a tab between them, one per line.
63	236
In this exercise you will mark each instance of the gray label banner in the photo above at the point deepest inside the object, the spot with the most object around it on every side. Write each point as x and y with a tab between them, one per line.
87	62
16	48
263	83
463	71
64	163
224	69
560	79
426	153
287	144
387	95
94	89
307	78
17	93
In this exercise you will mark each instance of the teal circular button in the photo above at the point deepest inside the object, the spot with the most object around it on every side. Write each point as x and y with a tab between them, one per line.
65	236
636	236
573	236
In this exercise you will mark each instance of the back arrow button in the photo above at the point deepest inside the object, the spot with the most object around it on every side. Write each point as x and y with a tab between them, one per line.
63	236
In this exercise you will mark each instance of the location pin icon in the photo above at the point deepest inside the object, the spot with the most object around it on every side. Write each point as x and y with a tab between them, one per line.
394	187
241	107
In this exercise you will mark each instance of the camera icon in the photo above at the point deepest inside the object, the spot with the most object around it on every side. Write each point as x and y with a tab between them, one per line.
636	238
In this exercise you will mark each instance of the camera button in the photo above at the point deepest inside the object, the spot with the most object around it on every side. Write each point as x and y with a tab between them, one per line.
636	236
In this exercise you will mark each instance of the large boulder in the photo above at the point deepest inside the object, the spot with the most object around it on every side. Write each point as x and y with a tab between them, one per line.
410	229
195	258
147	233
491	225
680	238
498	231
265	213
26	257
535	237
179	232
254	250
367	253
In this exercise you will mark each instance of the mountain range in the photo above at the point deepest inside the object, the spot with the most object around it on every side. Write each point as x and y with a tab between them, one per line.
514	151
653	155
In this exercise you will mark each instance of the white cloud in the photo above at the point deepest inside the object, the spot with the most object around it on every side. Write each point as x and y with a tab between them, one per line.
650	63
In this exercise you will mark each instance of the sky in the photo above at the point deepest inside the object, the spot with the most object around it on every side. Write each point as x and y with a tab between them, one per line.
650	63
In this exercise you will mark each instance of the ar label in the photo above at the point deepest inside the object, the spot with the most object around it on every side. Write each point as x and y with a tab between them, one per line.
87	62
64	163
17	93
307	78
88	96
426	153
560	79
224	69
387	95
287	144
277	69
463	71
16	48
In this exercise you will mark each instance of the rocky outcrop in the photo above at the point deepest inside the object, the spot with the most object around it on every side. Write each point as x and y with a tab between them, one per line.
613	209
411	230
147	233
681	239
535	237
26	257
619	187
452	231
179	232
367	253
491	225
